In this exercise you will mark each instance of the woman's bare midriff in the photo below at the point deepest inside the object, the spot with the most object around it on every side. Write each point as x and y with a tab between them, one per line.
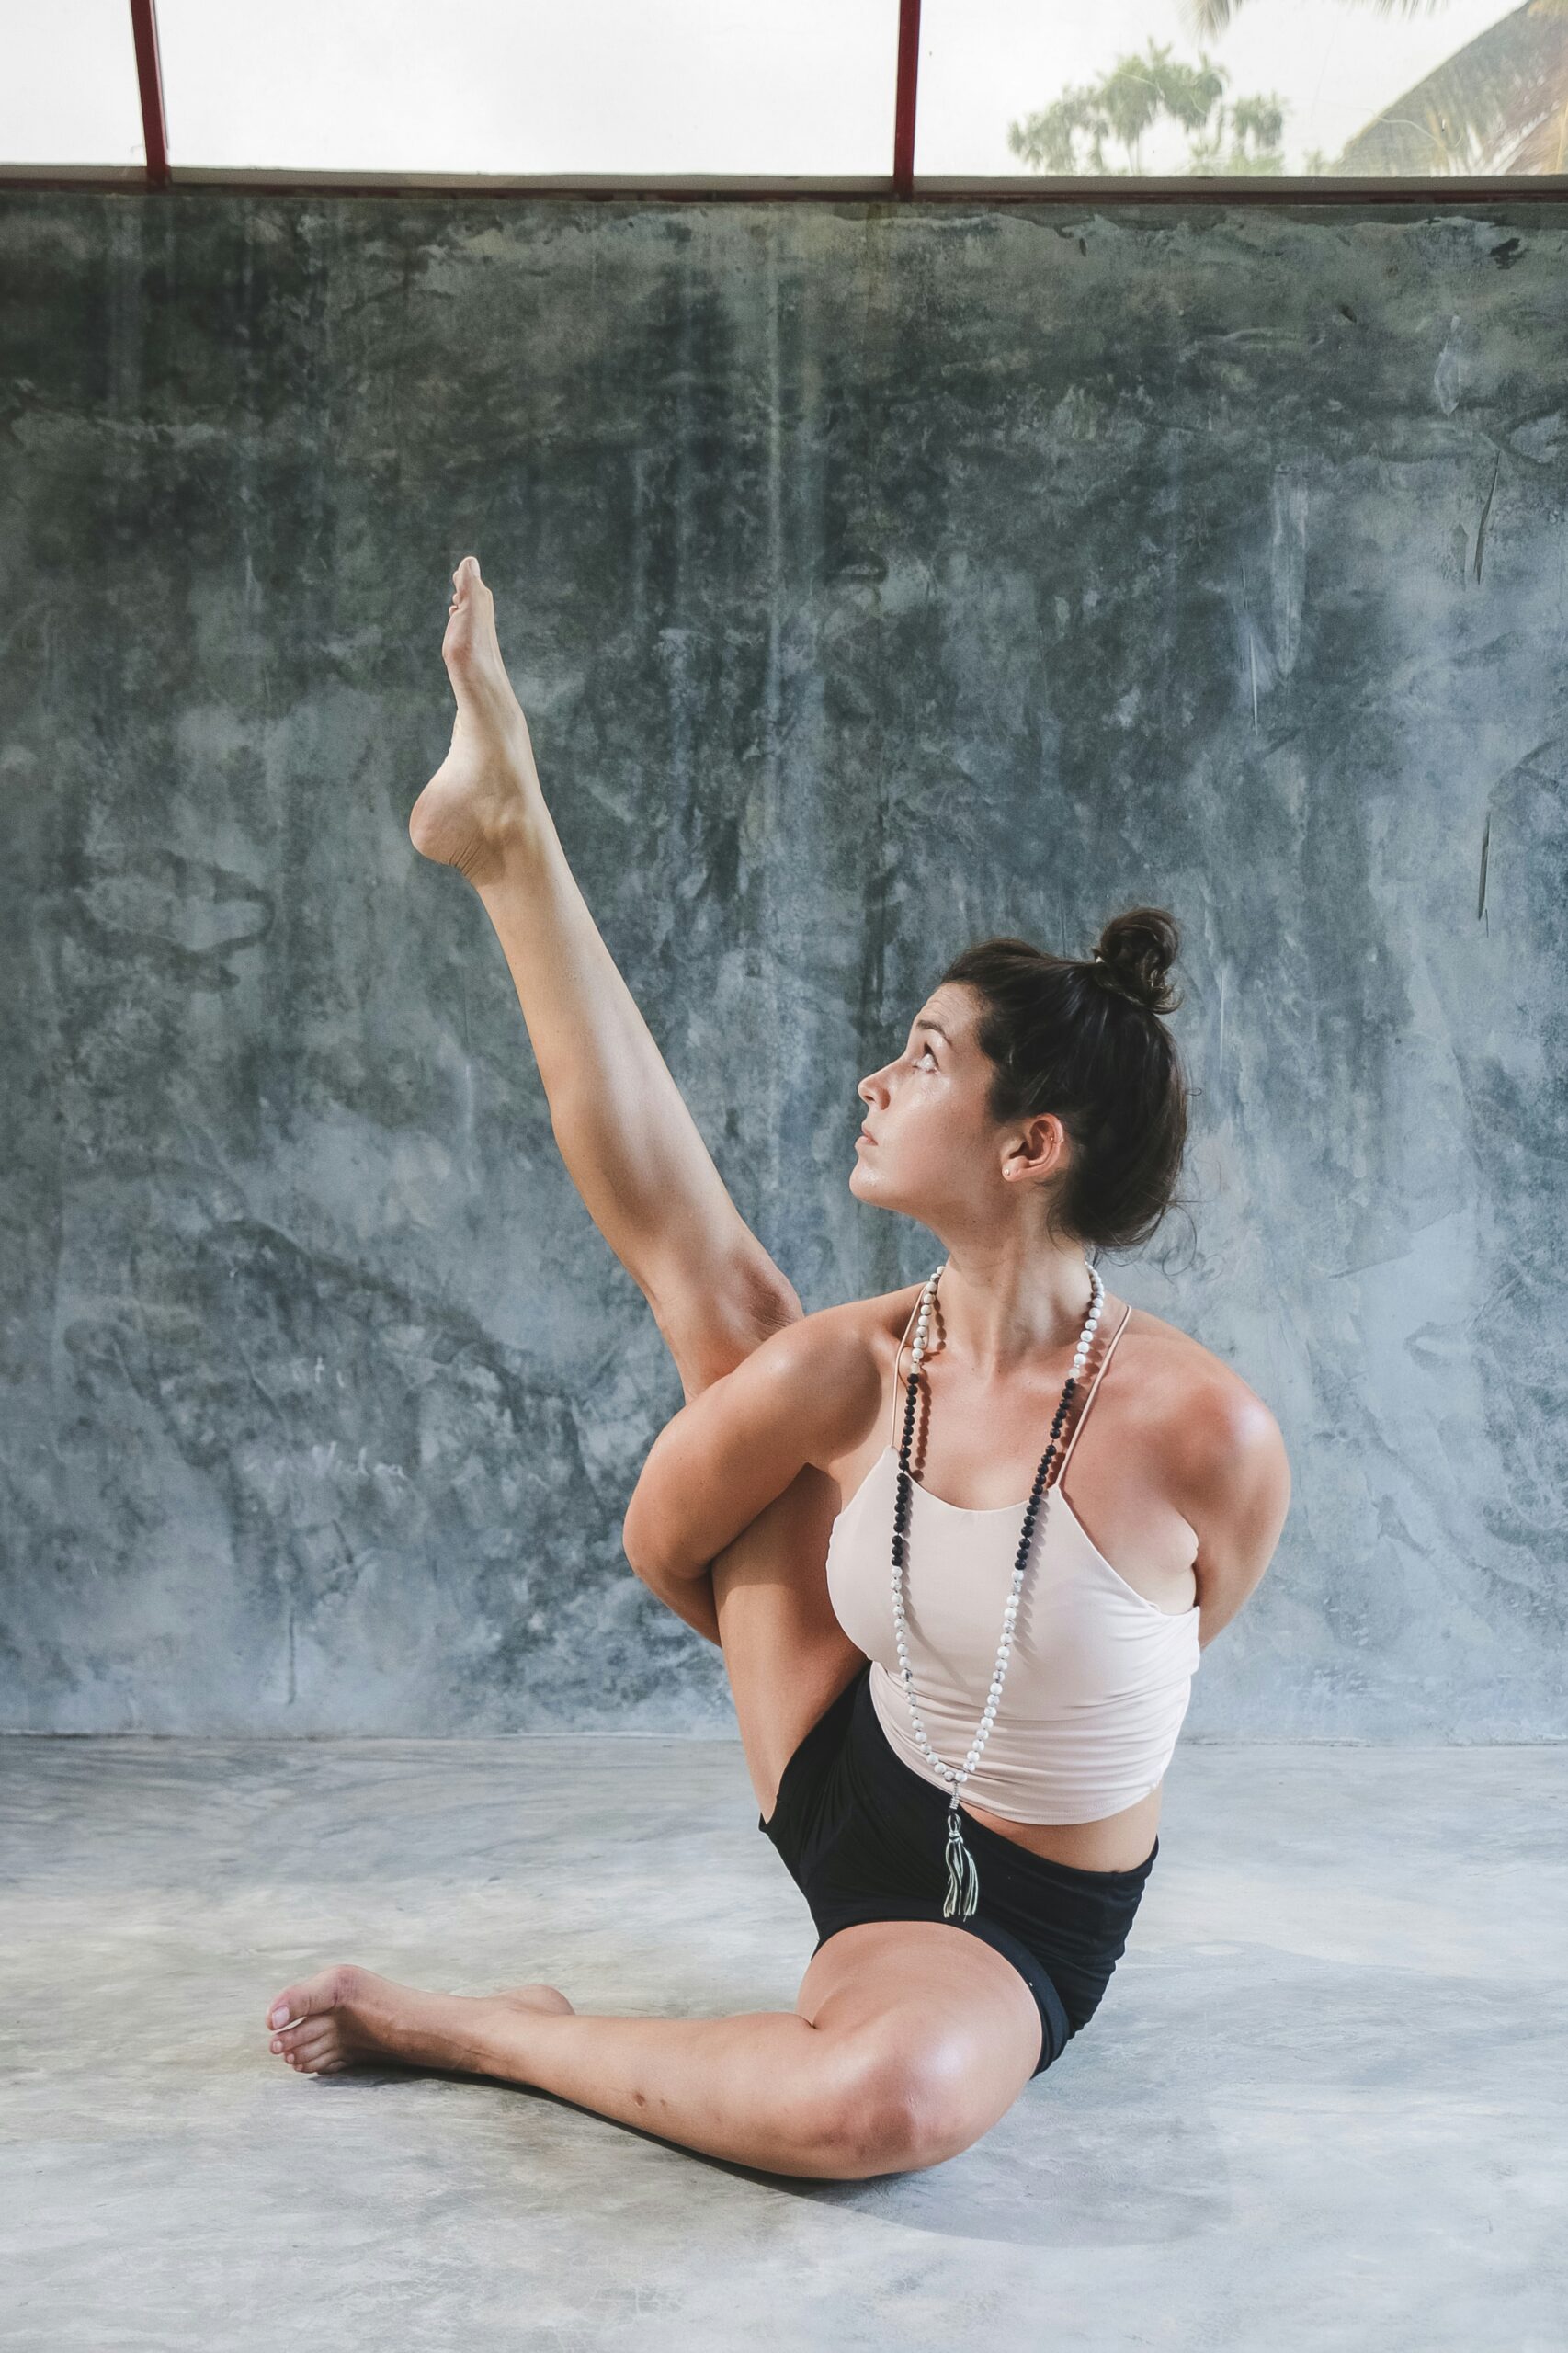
982	1449
1119	1843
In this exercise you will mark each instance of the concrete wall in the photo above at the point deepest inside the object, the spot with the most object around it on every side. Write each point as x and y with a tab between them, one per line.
873	578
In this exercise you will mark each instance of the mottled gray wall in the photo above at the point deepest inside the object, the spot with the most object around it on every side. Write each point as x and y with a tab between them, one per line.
872	578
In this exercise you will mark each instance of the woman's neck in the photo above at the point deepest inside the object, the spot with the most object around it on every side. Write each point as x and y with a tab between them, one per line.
995	1312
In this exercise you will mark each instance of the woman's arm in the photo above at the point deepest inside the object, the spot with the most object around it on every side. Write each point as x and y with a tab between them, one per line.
691	1599
1232	1480
730	1453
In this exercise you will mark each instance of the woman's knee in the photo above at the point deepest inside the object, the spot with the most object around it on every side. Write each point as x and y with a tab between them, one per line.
891	2105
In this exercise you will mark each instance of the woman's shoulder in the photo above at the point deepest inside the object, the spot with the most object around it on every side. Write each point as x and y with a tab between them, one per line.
1221	1449
1175	1367
851	1344
876	1324
1222	1458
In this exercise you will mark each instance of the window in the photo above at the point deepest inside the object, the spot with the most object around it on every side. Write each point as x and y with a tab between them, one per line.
1250	89
1015	93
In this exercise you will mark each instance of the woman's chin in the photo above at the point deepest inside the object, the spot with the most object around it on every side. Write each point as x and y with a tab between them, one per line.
860	1186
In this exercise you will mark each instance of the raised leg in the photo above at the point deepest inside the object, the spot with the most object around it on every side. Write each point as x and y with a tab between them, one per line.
649	1182
631	1144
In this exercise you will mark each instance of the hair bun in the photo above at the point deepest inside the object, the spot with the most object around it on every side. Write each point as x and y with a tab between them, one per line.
1134	956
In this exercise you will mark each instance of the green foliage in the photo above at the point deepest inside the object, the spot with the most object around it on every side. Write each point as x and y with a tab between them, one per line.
1070	137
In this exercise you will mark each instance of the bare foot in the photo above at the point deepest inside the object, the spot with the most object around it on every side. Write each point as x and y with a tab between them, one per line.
486	791
347	2015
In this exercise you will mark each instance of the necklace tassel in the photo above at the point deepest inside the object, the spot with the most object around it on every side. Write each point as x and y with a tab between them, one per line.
964	1880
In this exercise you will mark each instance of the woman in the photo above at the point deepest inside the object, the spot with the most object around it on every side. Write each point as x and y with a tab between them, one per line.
963	1778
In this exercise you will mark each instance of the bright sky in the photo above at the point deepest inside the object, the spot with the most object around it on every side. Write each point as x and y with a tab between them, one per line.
662	86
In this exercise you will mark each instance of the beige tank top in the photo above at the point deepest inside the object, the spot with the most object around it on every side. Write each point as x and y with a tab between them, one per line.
1098	1677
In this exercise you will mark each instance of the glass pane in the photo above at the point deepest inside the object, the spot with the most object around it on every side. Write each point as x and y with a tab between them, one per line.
573	86
1250	87
68	83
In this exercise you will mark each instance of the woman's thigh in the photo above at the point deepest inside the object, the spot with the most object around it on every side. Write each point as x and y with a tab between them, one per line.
945	2013
787	1656
785	1653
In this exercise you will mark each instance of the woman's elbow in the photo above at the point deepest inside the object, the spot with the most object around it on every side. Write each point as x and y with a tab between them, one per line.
645	1534
636	1539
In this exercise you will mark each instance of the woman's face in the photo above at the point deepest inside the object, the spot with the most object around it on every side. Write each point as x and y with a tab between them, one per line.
929	1146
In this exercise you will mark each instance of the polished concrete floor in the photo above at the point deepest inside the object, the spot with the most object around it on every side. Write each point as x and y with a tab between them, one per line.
1321	2106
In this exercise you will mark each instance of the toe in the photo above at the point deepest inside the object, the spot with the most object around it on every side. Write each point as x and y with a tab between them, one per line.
309	1999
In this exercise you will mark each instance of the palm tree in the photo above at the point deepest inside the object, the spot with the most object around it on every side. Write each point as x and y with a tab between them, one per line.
1129	99
1498	104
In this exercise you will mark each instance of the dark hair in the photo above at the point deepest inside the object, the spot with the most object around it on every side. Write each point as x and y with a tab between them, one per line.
1086	1040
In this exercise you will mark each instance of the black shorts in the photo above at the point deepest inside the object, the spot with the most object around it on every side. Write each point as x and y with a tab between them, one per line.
864	1838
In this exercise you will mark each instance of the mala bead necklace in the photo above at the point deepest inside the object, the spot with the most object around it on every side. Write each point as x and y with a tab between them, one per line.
963	1878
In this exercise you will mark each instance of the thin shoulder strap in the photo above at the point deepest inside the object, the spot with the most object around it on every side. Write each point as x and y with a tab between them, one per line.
892	1435
1083	1409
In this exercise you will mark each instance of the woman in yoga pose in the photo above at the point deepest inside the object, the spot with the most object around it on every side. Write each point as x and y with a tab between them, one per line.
956	1712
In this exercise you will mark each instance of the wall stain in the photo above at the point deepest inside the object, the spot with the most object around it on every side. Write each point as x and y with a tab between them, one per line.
1480	527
